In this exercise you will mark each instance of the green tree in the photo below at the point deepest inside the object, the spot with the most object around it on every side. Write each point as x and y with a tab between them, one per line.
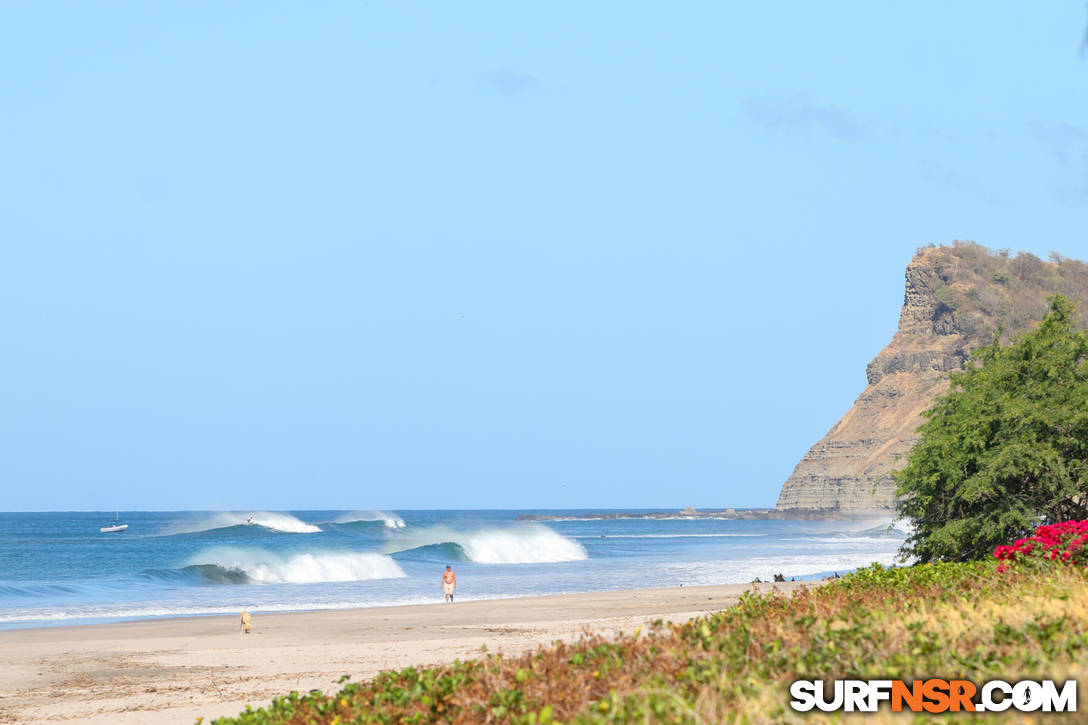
1006	448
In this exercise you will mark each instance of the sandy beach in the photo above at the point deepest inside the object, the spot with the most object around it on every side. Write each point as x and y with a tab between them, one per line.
175	670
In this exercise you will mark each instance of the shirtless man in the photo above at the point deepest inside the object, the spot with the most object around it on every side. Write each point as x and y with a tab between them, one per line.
449	583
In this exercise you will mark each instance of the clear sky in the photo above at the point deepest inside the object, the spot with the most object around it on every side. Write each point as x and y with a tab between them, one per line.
486	255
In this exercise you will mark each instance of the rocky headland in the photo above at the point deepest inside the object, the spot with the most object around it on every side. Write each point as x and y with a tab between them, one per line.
957	298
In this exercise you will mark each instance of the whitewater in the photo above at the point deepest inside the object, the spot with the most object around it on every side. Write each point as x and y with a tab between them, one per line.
56	568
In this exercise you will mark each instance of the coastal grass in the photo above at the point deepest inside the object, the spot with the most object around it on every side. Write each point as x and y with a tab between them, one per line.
950	620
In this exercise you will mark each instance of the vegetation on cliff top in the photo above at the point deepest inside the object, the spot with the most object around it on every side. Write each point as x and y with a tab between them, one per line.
1006	448
982	290
962	620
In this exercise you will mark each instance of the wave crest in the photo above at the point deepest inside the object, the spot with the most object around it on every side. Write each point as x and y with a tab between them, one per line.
444	552
239	566
521	544
284	523
391	521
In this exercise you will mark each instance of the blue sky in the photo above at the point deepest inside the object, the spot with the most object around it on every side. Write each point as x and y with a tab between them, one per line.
436	255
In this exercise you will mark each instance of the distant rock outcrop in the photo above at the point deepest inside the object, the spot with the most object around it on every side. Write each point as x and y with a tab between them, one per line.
956	299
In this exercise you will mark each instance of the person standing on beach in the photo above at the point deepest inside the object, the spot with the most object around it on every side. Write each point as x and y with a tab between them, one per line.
449	583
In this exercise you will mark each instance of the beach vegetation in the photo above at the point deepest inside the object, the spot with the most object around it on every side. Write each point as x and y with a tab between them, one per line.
1060	544
735	666
1006	448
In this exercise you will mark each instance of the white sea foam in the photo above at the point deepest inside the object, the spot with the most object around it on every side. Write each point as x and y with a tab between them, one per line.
137	611
275	521
869	526
641	517
861	543
903	526
667	536
391	521
283	522
518	544
736	571
521	545
265	567
19	617
898	528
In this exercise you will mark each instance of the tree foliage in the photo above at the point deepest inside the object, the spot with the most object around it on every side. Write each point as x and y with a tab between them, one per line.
1006	448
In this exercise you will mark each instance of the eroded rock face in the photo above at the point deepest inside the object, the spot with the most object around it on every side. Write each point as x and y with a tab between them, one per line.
956	297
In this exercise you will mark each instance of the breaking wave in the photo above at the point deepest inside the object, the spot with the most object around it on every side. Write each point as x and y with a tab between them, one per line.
444	552
391	521
284	523
666	536
224	565
899	528
522	544
903	526
736	571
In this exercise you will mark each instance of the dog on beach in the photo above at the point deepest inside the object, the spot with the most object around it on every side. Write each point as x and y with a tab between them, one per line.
247	623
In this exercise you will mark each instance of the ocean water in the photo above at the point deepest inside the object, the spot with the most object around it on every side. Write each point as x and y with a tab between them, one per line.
57	569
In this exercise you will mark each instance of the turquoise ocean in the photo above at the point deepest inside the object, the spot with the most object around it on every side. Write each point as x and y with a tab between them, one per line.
58	569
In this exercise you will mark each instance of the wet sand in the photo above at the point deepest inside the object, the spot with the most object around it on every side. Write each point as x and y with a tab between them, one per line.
176	670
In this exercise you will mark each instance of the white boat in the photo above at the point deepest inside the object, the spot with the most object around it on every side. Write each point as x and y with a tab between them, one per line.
117	525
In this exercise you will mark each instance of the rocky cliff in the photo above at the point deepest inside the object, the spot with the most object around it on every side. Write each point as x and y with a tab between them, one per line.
956	298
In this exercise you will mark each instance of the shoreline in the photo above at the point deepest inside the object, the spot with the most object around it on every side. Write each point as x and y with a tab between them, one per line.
173	670
727	514
76	623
